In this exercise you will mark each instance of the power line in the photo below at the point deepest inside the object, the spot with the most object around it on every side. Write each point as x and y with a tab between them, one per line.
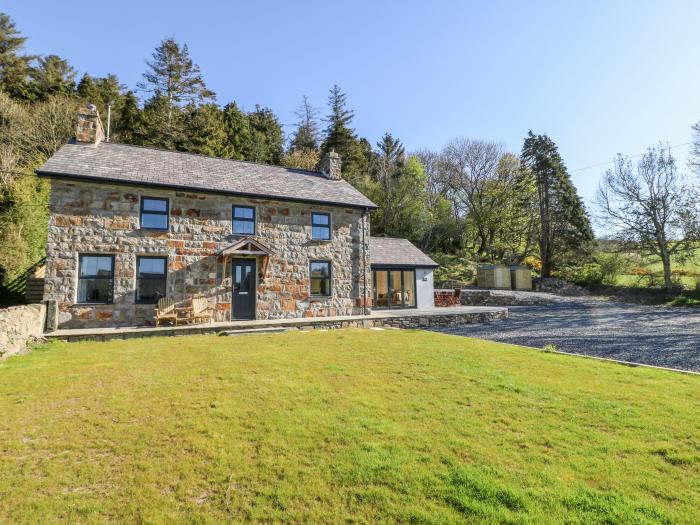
626	156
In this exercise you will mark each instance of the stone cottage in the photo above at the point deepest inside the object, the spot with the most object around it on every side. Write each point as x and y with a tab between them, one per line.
129	225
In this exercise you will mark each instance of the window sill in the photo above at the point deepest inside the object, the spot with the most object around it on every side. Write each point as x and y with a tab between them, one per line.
319	298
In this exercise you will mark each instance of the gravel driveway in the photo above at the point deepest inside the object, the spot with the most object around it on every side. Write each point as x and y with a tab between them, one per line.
651	335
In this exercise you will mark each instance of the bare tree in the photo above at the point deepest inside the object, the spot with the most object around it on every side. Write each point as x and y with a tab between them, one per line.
694	157
475	183
438	183
653	207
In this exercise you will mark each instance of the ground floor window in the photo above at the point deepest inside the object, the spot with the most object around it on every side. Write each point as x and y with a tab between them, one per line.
394	288
151	279
95	278
320	278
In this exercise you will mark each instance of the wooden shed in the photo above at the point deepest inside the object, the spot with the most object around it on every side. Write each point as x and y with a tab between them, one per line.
520	277
493	276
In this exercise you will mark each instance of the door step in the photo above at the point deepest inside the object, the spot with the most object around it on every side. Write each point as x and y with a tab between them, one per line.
249	331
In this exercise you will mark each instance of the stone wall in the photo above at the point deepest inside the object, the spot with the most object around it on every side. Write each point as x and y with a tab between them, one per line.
19	324
92	218
482	297
410	320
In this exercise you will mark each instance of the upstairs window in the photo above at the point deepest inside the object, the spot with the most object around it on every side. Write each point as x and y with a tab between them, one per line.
320	278
244	220
151	279
154	213
95	278
320	226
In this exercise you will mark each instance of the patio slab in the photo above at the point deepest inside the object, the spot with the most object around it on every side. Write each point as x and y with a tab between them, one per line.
410	318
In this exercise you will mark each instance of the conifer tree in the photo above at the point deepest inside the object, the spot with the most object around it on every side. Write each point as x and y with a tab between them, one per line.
14	66
563	227
172	75
102	91
306	135
174	81
340	136
52	75
239	137
128	125
206	131
267	136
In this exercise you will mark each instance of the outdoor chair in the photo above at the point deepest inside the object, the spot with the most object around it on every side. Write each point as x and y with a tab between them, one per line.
165	311
201	311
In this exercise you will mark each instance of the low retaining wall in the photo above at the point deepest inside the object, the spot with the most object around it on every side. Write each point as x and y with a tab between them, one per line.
19	324
476	297
413	320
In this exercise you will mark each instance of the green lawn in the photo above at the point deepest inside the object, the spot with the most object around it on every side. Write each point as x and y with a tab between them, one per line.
686	272
349	426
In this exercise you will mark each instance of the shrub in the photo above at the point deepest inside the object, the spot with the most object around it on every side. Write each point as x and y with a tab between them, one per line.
612	265
454	269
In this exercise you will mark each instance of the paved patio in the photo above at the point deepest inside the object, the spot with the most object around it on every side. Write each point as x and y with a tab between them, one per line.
409	318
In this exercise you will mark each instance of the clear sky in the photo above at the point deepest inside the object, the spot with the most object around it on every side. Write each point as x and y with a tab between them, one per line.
599	77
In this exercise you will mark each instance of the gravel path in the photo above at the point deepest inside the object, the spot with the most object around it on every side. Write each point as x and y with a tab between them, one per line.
651	335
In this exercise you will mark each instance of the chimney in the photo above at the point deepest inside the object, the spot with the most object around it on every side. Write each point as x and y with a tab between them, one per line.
331	165
89	129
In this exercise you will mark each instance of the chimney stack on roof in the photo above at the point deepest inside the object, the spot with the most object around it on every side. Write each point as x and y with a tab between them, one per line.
89	130
331	165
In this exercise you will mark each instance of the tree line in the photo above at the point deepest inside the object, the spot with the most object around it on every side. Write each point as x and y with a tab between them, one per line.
472	197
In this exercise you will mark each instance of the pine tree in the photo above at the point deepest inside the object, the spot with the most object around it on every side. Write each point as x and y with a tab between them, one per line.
339	136
306	135
268	138
14	67
206	131
52	75
239	137
102	91
128	124
173	81
563	227
173	75
161	129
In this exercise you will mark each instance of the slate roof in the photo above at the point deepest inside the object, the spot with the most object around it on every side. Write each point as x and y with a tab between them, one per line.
385	251
119	163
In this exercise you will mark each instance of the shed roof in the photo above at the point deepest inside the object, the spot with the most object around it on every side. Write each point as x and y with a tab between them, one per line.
386	251
121	163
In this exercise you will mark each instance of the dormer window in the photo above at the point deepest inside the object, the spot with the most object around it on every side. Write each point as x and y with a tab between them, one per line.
154	213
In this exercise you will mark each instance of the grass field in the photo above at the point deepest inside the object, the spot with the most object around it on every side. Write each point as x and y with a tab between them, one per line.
348	426
686	273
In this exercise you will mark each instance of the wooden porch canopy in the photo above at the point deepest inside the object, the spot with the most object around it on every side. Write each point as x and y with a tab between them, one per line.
247	246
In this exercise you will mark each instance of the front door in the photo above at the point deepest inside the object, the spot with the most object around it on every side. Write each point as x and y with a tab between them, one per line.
243	273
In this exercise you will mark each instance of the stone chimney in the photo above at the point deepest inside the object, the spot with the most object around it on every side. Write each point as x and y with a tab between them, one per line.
330	165
89	129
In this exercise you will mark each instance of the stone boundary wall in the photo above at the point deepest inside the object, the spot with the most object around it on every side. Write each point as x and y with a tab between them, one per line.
19	324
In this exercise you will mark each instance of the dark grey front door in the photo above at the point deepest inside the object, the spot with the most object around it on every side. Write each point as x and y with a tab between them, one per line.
243	273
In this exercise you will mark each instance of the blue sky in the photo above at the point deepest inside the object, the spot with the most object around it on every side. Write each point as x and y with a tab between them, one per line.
599	77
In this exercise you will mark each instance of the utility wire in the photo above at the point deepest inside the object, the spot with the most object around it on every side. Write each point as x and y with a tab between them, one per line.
627	157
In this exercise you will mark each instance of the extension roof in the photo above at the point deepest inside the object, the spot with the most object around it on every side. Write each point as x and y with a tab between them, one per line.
385	251
122	164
